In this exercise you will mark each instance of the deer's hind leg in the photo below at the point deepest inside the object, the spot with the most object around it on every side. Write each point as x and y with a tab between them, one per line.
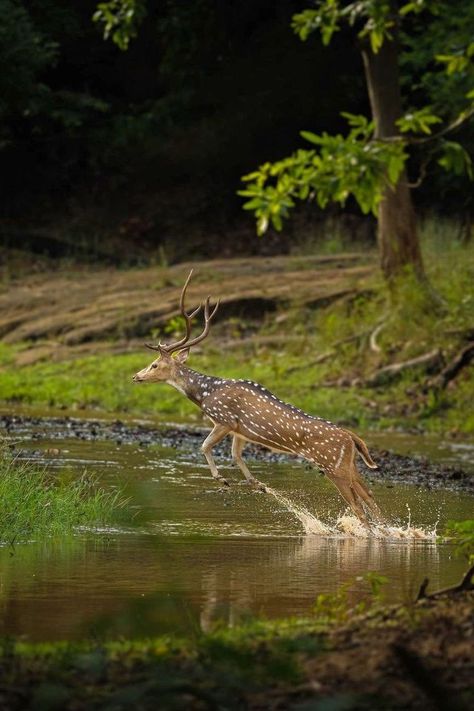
363	491
238	445
349	494
213	438
345	477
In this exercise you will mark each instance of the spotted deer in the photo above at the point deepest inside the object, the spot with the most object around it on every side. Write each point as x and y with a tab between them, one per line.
251	413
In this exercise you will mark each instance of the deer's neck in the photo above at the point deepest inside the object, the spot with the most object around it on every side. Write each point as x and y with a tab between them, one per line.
194	385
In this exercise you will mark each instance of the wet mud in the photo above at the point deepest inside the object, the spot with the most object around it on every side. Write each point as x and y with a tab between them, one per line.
392	468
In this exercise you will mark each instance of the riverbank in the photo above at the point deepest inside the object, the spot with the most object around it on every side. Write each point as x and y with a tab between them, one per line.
35	506
393	468
416	656
318	331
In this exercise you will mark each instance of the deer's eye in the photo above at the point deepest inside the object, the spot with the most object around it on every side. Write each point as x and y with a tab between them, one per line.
154	365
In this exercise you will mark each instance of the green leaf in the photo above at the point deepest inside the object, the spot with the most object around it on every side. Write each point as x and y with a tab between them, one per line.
262	225
456	159
277	222
418	121
311	137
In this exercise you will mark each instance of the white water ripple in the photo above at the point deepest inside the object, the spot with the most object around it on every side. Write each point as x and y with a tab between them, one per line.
350	526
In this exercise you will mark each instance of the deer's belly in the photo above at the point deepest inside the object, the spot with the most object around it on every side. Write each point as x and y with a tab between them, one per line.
266	440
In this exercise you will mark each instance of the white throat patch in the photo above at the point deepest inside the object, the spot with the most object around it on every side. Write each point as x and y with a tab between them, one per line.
175	385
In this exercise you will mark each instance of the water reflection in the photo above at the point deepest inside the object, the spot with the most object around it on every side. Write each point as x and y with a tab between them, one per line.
194	557
135	585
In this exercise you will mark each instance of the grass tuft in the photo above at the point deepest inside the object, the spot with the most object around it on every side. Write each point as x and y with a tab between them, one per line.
35	503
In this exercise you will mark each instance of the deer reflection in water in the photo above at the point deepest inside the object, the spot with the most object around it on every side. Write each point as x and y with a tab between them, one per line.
291	569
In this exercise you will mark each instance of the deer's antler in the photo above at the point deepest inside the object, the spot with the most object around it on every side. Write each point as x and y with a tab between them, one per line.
184	343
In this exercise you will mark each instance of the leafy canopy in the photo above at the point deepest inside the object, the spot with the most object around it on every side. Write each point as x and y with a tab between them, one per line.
120	20
358	164
337	167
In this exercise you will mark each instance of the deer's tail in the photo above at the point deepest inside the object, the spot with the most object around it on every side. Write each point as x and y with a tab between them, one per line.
361	448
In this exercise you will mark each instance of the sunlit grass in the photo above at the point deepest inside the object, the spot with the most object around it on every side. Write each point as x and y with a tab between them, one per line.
36	504
412	327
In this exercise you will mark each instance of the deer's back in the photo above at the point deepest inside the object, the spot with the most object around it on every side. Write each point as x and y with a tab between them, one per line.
254	413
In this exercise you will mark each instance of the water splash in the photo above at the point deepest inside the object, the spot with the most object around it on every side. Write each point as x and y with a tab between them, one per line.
310	523
348	525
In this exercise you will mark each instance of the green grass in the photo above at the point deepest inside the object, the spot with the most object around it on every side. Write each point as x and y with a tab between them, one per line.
217	670
260	664
104	382
412	327
36	504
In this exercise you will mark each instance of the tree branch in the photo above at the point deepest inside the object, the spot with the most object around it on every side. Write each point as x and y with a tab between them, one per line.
428	360
421	175
374	346
327	354
414	140
462	118
463	586
460	361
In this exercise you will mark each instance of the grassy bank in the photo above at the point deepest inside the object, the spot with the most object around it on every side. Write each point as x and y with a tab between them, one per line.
327	367
36	504
386	658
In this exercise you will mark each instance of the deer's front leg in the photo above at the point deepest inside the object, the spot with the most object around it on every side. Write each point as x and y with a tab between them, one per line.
213	438
238	445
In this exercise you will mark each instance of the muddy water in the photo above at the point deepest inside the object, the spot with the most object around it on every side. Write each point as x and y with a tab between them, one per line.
189	555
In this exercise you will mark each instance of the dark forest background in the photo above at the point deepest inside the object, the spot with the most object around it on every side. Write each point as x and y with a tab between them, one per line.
137	154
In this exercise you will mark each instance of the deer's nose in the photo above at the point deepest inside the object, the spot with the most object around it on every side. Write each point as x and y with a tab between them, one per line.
135	378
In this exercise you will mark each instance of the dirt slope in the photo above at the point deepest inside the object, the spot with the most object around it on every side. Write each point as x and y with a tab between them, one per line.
62	311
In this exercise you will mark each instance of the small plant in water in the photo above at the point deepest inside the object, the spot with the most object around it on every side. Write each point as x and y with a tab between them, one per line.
35	503
337	607
462	534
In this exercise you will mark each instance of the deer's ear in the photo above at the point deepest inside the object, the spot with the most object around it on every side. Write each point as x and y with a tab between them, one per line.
182	356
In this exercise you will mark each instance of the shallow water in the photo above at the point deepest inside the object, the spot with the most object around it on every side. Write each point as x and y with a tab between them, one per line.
191	555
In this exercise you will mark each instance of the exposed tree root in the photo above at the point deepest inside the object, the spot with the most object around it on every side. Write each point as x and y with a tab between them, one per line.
453	368
428	361
465	585
374	346
330	353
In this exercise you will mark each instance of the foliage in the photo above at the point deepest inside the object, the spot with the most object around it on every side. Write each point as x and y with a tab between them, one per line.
36	503
337	607
95	131
462	533
120	20
240	667
26	50
373	20
86	132
355	165
437	59
361	165
341	329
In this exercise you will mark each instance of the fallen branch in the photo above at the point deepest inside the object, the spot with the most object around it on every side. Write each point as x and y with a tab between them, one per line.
467	334
328	354
428	361
374	346
465	584
320	359
454	367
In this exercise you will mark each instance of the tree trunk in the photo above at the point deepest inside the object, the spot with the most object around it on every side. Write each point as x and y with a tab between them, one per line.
397	234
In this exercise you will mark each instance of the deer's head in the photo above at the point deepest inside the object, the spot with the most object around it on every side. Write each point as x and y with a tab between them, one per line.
172	355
